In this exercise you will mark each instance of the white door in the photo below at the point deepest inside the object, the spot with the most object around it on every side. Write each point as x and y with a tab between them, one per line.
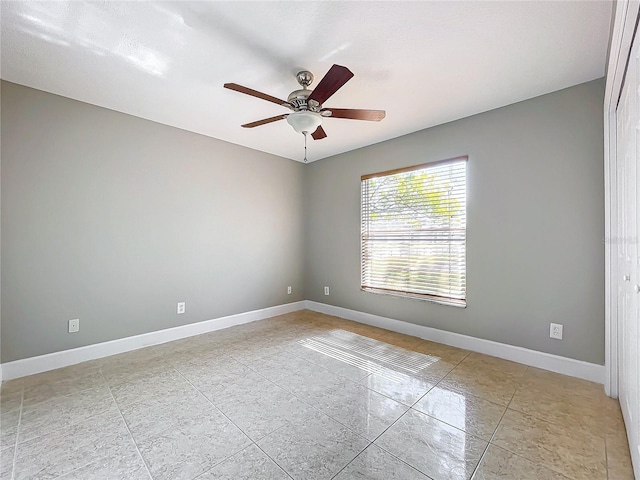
628	252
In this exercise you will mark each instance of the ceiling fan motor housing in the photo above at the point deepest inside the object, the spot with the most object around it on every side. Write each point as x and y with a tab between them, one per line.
298	99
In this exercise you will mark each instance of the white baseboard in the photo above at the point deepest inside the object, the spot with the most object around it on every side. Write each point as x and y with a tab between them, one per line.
546	361
51	361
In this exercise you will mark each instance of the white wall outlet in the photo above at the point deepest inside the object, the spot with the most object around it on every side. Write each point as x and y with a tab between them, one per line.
182	306
555	331
289	290
74	325
326	290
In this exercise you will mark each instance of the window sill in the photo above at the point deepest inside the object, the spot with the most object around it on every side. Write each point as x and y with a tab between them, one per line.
415	296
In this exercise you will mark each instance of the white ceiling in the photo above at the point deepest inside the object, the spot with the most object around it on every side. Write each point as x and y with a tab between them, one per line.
425	63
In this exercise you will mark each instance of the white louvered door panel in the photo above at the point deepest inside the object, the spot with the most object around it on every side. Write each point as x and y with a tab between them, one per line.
628	207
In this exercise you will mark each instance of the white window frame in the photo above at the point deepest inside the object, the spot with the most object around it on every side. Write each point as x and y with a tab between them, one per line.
371	285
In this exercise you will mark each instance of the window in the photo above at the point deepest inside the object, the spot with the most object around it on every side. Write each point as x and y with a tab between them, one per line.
414	232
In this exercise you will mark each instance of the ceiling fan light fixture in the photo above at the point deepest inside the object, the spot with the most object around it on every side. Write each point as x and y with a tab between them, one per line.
305	121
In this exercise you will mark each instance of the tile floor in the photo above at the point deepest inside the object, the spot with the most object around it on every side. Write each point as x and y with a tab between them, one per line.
308	396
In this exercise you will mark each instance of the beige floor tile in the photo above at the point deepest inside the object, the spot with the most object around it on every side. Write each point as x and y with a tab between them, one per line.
575	452
403	341
6	463
358	354
445	352
258	415
9	428
486	362
212	374
620	468
338	360
498	464
612	415
562	400
117	463
562	408
364	411
356	327
376	464
436	370
472	414
436	449
249	464
147	386
60	384
184	451
131	366
154	415
60	412
313	391
309	382
402	387
316	449
619	465
493	385
78	371
66	449
11	396
543	378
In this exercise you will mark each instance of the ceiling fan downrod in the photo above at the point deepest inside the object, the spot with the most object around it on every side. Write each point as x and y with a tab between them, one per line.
305	146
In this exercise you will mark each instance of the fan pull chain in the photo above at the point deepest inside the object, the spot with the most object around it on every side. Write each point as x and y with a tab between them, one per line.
305	146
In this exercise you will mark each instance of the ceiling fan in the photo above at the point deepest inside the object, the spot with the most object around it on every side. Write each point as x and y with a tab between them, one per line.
306	104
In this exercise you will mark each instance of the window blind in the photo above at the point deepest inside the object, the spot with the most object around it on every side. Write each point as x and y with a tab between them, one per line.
414	231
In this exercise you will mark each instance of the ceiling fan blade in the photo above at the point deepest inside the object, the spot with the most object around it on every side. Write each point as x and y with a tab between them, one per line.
356	114
255	93
264	121
319	134
335	78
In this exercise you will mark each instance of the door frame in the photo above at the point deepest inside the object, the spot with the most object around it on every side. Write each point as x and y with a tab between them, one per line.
625	20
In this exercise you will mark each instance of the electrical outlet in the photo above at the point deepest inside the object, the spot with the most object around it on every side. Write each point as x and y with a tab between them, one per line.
326	290
555	331
289	290
182	306
74	325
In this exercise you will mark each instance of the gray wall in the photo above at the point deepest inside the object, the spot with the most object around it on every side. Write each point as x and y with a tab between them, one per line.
535	223
113	219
